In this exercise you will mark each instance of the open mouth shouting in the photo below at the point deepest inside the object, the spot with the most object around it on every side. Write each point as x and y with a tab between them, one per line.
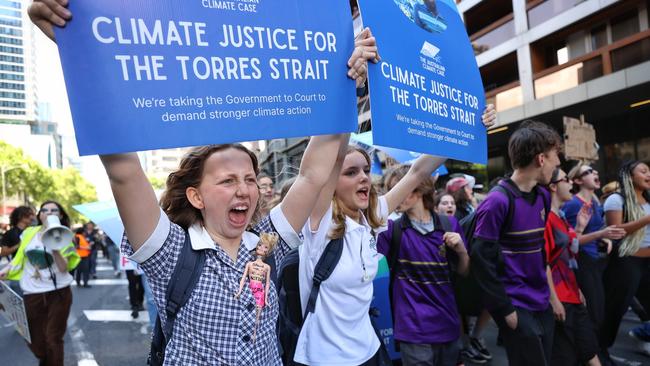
363	193
238	214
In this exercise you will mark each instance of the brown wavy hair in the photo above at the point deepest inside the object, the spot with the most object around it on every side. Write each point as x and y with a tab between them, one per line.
338	216
189	174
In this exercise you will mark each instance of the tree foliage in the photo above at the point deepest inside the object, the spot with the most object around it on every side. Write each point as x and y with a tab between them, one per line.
27	179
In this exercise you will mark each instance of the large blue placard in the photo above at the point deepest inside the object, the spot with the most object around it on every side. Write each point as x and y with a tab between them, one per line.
148	74
426	94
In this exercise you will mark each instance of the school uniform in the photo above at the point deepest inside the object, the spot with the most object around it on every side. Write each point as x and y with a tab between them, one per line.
426	319
509	265
339	331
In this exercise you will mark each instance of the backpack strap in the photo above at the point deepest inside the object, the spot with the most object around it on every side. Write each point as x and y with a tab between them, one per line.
511	206
324	268
186	275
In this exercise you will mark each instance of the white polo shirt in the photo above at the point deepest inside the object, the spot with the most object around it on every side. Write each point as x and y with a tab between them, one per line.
339	331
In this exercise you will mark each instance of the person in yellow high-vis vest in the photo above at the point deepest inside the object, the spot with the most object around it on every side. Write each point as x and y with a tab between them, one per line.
45	281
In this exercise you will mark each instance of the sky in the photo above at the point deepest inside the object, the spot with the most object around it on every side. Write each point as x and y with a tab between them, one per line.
51	89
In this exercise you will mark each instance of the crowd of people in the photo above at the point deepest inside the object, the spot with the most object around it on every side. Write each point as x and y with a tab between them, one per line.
541	255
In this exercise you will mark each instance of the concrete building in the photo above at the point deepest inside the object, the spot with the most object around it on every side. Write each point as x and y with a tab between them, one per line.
281	158
159	163
546	59
18	94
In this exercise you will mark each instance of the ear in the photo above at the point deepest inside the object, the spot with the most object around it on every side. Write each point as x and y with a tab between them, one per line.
552	187
540	159
194	197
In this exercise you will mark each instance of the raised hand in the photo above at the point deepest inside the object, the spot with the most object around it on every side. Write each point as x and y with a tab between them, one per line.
489	116
45	13
365	48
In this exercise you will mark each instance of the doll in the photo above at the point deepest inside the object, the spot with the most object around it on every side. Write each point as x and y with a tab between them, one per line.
259	275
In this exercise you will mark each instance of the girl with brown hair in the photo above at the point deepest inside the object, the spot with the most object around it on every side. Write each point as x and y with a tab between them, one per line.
213	198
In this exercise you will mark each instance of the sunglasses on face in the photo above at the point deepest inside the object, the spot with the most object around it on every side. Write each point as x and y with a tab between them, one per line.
565	179
586	172
50	210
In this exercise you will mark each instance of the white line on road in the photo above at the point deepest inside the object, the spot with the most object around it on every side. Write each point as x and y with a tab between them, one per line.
79	346
106	282
115	316
104	268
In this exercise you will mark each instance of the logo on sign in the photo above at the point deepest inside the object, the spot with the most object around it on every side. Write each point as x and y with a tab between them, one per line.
431	60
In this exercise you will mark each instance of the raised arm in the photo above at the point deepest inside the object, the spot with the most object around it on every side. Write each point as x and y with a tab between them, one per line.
323	154
425	165
315	170
420	170
134	196
327	193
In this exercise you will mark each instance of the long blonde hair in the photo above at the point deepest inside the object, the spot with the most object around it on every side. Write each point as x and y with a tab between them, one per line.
632	210
338	215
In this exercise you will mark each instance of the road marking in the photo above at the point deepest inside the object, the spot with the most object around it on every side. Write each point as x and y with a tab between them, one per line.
79	345
105	282
624	361
115	316
104	268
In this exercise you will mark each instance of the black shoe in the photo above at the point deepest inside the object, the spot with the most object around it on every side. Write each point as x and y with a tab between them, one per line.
135	314
472	355
140	308
87	286
478	345
94	277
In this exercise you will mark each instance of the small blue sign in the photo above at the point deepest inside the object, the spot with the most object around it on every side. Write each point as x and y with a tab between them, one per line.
426	93
149	74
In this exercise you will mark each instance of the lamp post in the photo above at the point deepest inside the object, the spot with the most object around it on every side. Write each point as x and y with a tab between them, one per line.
3	171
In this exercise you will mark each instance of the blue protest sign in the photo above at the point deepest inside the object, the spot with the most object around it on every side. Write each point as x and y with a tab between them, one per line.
381	302
148	74
426	94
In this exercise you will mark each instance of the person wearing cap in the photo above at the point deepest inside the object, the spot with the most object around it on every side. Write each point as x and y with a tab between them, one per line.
461	188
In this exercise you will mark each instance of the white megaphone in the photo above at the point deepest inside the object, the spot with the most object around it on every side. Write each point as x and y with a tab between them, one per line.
56	236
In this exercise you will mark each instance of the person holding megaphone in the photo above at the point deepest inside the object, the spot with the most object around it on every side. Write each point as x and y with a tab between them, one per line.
42	264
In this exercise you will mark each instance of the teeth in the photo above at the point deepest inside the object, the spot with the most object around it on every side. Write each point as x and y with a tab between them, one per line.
240	208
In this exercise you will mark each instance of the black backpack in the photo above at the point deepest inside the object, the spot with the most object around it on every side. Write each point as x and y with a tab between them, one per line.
184	278
468	292
291	318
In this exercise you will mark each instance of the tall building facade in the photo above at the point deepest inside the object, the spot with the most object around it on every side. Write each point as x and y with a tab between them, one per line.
18	94
547	59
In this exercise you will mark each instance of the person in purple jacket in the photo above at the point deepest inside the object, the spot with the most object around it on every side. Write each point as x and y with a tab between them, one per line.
426	320
508	262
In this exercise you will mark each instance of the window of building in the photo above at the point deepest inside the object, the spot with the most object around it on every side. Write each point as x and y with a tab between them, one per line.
9	12
10	4
625	25
7	40
631	55
546	10
11	22
11	31
598	37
